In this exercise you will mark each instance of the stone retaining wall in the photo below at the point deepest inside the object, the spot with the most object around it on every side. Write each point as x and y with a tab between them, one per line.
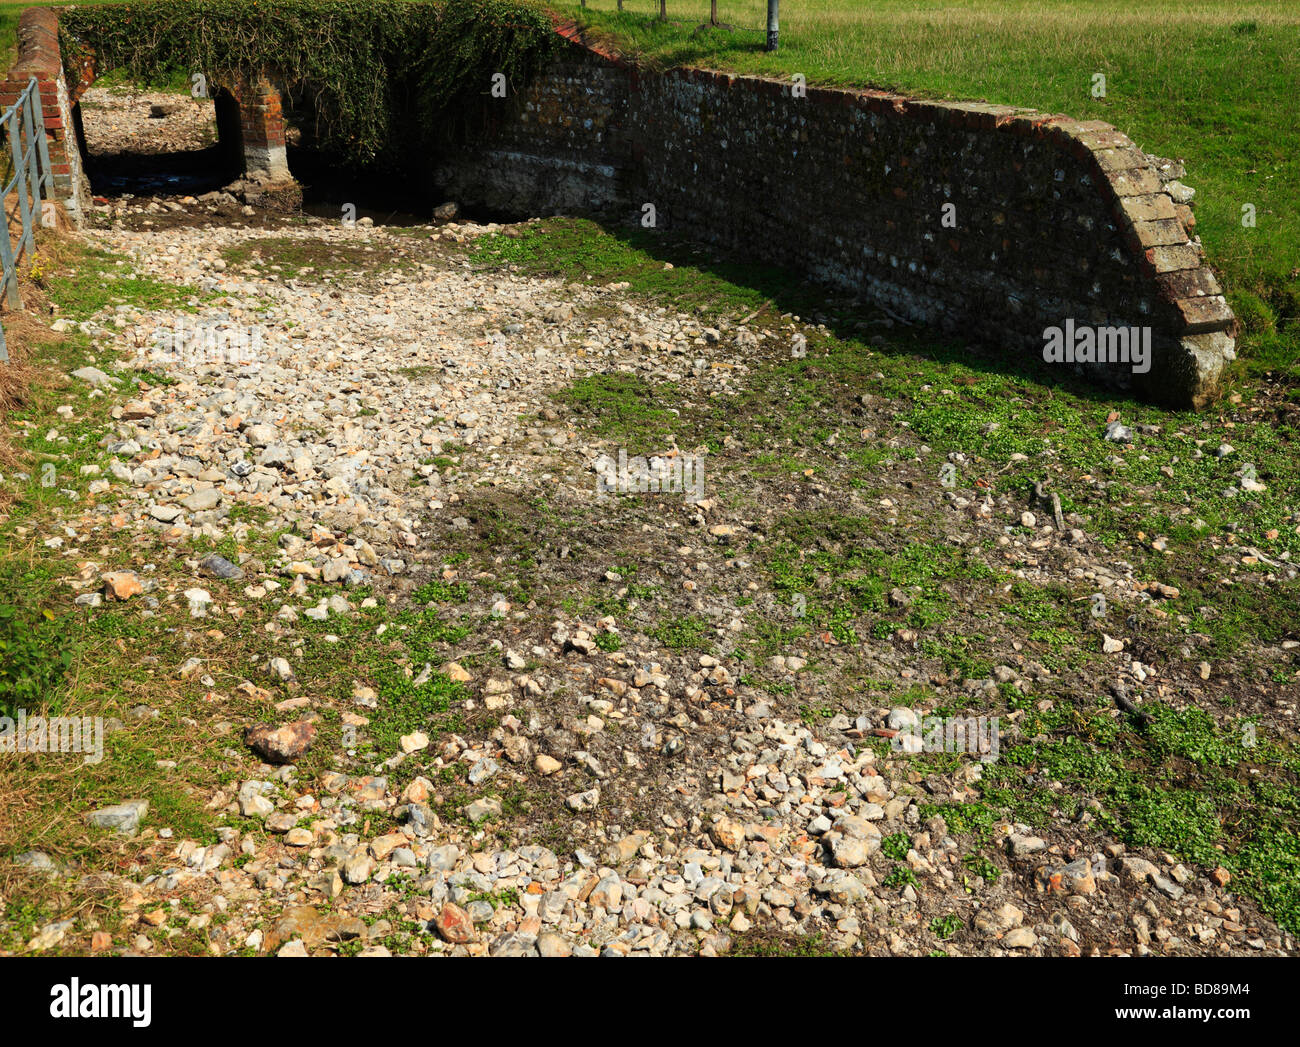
988	222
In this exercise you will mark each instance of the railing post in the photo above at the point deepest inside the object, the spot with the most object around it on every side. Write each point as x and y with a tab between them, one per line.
8	268
29	167
42	145
15	151
8	272
29	155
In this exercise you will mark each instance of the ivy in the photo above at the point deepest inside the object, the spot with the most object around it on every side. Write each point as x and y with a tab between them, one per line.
372	79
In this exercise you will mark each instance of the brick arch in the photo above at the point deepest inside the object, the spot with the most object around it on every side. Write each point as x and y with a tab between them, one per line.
250	116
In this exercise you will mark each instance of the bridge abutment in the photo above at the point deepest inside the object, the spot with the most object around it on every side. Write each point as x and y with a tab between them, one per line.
39	57
249	114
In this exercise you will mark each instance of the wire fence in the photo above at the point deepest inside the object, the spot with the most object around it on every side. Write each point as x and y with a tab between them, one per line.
25	161
747	15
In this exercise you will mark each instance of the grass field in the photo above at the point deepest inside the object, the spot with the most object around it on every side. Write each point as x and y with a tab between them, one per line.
9	13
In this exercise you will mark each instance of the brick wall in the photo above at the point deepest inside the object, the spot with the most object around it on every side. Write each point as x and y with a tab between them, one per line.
1055	218
257	124
261	126
38	56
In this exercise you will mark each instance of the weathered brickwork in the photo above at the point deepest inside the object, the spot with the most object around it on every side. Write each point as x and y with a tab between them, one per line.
1055	218
38	56
261	125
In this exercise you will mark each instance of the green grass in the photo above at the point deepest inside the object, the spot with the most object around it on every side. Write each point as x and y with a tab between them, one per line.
696	279
35	655
625	408
102	280
1212	795
40	638
1213	83
10	10
837	570
405	708
689	632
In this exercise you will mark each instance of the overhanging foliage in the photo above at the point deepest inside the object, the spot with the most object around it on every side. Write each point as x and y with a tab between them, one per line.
362	65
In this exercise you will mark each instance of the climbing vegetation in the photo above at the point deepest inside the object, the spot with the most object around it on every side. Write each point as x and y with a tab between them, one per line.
371	79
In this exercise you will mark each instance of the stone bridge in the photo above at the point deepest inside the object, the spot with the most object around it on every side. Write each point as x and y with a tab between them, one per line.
249	117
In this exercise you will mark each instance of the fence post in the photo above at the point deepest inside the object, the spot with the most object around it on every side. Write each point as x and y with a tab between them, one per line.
773	24
42	145
15	151
28	161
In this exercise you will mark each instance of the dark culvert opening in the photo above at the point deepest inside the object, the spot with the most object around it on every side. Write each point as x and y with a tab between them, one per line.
384	194
143	143
398	189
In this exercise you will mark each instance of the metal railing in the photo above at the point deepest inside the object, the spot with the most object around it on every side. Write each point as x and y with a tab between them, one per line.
26	159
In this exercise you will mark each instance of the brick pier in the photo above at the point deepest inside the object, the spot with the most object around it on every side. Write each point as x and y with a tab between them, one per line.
38	56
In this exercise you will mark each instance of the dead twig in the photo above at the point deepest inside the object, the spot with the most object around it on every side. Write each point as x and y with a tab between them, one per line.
1052	499
1120	694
